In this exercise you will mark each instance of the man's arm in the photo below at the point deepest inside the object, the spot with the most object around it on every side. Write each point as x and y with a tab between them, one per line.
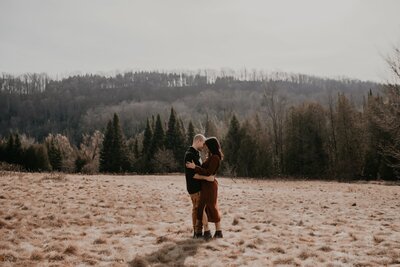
188	157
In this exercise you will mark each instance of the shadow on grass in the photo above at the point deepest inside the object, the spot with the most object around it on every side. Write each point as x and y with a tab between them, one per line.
173	253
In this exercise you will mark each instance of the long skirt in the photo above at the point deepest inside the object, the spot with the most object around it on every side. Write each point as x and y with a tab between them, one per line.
208	200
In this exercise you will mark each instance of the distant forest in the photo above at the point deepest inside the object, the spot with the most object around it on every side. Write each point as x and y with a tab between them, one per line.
269	125
36	105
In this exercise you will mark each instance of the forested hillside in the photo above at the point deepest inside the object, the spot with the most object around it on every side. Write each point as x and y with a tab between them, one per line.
277	125
36	105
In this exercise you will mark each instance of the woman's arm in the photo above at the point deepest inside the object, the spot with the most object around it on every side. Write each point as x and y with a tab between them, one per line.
212	167
202	177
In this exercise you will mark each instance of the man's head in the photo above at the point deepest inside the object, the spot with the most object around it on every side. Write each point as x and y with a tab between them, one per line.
198	141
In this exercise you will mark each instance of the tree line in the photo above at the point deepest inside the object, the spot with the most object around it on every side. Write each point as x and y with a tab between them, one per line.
37	105
306	140
265	132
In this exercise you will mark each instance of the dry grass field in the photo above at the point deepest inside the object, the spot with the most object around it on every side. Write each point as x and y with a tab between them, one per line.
76	220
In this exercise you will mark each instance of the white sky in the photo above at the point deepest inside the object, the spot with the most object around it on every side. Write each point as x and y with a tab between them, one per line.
325	38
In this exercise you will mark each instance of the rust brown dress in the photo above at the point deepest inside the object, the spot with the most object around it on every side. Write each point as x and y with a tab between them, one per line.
209	190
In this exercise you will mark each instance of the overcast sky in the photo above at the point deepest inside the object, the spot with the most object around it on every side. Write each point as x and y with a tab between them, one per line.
325	38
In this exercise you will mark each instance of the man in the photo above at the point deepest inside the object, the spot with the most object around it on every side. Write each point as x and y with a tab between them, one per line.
193	185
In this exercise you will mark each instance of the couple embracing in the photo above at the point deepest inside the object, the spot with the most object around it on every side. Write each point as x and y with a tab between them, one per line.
202	185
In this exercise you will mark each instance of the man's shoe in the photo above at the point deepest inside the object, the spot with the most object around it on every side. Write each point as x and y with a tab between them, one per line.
207	235
218	234
198	235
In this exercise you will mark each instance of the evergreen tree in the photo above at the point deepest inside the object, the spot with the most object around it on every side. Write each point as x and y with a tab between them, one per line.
376	162
114	153
180	149
190	134
18	151
60	152
36	158
10	154
136	159
372	158
80	162
158	137
106	150
170	137
136	152
2	150
348	139
175	139
120	158
305	153
148	137
54	156
153	123
13	149
43	163
143	164
263	153
232	142
245	157
210	128
183	130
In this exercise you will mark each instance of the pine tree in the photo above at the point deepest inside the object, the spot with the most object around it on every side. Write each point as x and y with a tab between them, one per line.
232	142
106	150
245	157
376	163
171	138
120	160
210	128
180	147
148	137
183	130
144	163
153	123
54	155
175	139
263	153
372	157
30	159
13	150
10	157
158	137
348	138
43	163
136	149
114	153
18	151
190	134
36	158
305	153
2	150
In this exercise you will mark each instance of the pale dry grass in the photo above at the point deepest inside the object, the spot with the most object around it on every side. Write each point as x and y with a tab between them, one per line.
75	220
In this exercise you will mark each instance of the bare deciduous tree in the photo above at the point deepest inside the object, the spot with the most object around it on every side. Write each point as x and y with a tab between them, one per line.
89	152
164	161
387	114
275	105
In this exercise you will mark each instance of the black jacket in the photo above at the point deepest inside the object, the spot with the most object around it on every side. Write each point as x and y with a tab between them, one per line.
192	185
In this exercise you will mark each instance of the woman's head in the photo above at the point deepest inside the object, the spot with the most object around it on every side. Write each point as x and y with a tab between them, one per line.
214	147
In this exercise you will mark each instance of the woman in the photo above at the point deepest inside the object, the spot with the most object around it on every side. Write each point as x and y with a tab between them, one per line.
209	189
